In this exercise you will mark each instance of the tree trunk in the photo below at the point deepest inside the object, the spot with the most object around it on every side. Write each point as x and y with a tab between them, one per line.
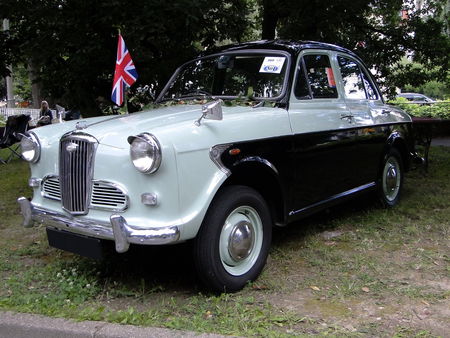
270	20
10	89
35	85
9	79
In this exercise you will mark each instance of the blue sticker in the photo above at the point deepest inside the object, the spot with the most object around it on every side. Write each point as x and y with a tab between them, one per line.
272	64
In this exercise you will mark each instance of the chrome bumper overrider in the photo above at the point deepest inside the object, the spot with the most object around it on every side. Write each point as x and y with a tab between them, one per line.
118	230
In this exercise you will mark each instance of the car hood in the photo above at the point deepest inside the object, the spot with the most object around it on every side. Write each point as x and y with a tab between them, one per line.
113	130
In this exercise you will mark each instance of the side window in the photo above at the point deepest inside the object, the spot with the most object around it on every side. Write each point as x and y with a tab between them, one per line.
320	76
370	89
301	90
351	79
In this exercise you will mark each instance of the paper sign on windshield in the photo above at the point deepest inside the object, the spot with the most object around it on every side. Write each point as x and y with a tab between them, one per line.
272	64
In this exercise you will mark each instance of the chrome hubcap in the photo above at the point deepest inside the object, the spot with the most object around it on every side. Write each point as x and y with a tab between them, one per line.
391	179
241	240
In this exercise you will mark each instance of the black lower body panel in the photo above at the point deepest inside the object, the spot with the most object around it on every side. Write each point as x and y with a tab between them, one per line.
82	245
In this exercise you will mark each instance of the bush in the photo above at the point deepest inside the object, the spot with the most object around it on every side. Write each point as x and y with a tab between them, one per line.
434	89
438	110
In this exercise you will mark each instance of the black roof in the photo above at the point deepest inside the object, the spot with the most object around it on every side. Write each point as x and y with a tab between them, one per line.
292	47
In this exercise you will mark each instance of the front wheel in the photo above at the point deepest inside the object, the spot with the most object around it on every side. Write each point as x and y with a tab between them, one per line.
391	178
233	243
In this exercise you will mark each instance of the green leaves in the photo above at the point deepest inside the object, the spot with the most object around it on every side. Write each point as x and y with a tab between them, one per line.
73	42
439	110
374	29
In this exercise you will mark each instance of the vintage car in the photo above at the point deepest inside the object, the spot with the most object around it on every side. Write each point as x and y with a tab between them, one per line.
417	98
247	137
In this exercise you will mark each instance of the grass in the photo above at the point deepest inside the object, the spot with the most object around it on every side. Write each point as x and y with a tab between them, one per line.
382	272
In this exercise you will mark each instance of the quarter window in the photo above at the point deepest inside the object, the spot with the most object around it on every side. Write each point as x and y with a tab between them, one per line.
315	78
356	82
371	92
301	90
351	79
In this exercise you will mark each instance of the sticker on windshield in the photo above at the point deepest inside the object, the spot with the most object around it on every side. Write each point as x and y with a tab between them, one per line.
272	64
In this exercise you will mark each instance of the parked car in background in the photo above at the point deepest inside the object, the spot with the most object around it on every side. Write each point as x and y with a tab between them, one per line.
247	138
416	98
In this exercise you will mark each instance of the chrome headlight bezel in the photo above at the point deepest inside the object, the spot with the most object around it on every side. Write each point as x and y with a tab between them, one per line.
31	147
145	152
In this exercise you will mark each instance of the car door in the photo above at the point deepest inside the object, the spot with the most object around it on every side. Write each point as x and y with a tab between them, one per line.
323	132
363	101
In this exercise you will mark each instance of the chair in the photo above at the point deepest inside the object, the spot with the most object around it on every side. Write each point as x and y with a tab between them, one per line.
15	125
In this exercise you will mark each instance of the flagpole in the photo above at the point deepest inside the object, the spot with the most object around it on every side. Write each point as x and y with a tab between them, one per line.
124	87
125	98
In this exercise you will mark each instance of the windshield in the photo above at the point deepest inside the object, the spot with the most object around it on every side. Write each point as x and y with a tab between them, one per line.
257	76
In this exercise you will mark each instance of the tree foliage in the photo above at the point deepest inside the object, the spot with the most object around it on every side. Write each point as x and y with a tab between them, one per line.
71	44
374	29
439	110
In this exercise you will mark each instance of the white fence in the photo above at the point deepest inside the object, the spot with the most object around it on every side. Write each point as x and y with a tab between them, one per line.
34	113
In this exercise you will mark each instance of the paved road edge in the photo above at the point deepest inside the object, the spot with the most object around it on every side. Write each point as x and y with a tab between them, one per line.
24	325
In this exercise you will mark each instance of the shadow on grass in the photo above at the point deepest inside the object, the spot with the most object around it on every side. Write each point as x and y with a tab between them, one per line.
323	221
171	268
160	268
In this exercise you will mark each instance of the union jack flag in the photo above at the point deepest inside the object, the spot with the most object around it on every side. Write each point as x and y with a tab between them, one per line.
125	73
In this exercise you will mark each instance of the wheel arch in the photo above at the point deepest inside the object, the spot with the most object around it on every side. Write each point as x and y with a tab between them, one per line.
397	141
261	175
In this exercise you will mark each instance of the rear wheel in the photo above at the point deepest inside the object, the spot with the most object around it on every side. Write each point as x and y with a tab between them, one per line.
233	243
391	178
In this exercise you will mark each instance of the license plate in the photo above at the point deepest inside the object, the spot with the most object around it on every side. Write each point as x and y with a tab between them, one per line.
78	244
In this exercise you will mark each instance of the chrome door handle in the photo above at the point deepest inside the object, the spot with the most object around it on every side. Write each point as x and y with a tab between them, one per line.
347	116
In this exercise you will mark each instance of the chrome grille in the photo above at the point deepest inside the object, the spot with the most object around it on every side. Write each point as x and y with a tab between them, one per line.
106	195
76	155
50	187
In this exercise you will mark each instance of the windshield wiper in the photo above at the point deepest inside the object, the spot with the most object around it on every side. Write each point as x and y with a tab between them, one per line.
198	92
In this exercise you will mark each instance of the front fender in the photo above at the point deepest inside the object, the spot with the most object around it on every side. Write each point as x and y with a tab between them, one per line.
262	175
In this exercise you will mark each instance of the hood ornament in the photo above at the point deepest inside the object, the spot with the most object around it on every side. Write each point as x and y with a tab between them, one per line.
81	125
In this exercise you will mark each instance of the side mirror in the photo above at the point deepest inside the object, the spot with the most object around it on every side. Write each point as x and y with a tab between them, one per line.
211	111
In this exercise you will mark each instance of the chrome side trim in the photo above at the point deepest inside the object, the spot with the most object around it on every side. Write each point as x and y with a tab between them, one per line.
118	230
215	154
335	197
260	160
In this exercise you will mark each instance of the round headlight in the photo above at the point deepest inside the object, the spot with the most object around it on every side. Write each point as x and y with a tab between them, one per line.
145	152
31	149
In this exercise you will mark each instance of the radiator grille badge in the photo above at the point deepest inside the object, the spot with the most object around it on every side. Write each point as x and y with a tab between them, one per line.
71	147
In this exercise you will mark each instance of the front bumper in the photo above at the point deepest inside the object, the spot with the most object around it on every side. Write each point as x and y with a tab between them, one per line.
117	230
